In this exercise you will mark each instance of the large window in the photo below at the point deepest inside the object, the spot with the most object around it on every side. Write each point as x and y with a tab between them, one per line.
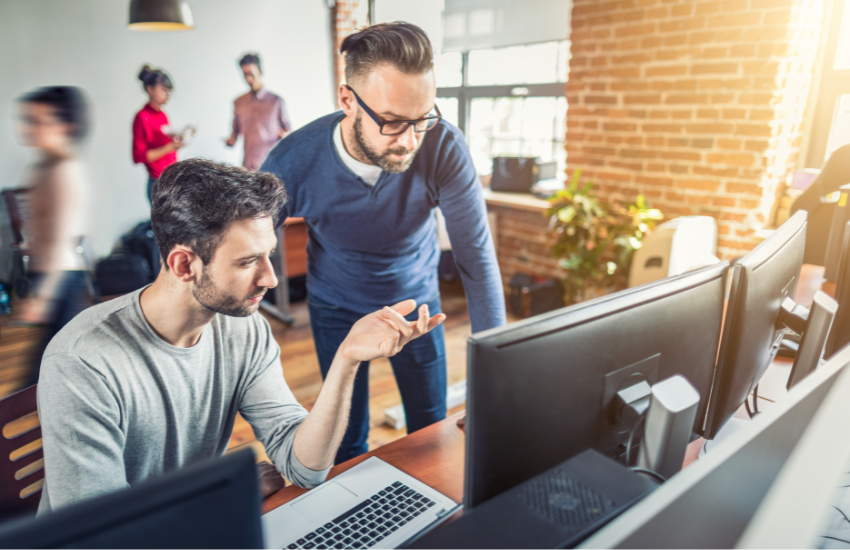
831	125
508	101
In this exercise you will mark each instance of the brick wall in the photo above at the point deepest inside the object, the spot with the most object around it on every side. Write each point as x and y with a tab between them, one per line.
522	244
348	16
697	104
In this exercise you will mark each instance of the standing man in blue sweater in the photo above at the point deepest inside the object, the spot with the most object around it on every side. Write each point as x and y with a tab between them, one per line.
367	181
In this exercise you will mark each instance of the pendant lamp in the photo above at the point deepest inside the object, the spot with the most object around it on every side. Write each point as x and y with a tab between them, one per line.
160	15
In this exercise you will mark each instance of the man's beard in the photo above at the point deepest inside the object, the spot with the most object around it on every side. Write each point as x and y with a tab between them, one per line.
382	159
209	296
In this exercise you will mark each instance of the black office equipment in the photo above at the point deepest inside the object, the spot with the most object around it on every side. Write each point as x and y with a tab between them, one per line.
759	472
122	272
544	389
556	509
215	504
519	174
752	332
835	173
839	334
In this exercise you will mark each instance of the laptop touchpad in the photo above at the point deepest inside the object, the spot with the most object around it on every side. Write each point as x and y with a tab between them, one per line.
324	500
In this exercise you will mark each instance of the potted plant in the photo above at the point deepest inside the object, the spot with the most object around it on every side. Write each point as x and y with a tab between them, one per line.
594	239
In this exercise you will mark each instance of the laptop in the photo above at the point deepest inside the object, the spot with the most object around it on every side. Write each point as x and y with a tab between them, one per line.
372	505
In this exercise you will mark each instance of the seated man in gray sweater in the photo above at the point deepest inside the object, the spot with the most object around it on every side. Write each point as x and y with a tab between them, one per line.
151	381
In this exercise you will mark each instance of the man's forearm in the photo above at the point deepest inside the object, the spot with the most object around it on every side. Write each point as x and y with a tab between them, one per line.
319	436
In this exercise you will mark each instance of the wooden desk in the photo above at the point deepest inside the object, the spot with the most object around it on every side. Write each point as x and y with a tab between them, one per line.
289	261
434	455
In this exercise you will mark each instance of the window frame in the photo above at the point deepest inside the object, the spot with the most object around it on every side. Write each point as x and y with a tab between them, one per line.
832	84
466	93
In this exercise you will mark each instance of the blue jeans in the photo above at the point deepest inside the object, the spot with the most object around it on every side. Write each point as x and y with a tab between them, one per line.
420	371
151	183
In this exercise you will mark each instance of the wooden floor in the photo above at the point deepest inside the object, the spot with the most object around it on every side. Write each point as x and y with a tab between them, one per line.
298	360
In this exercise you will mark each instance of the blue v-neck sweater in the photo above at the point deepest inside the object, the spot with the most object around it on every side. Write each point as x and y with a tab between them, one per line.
372	246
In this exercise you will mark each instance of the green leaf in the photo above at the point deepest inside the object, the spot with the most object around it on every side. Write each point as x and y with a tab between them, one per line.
567	214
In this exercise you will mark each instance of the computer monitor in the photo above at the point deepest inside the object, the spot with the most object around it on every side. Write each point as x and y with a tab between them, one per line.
541	390
215	504
839	335
761	281
715	500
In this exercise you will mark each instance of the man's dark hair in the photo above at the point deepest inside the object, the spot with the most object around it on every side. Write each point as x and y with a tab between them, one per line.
152	77
68	102
402	45
251	59
195	200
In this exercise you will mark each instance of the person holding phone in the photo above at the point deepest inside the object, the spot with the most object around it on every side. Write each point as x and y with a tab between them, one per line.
153	143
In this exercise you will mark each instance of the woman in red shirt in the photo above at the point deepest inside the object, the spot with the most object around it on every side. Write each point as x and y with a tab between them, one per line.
152	146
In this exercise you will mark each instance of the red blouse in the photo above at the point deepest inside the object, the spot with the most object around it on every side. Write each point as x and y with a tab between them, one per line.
147	135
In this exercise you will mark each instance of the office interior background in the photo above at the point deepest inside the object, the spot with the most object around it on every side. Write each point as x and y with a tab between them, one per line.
723	109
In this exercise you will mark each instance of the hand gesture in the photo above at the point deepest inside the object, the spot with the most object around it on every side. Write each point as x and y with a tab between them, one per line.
384	333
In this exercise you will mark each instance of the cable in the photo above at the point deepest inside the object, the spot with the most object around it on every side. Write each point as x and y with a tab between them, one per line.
835	538
756	400
842	514
630	443
656	475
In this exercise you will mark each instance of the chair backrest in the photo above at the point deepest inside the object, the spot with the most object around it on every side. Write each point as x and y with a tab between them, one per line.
16	204
21	454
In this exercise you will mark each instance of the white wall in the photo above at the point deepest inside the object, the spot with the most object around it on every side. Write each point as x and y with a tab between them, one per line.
86	43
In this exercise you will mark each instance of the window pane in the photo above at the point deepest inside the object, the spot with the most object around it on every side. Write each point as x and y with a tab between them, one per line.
448	106
842	56
512	126
839	132
530	64
448	70
563	60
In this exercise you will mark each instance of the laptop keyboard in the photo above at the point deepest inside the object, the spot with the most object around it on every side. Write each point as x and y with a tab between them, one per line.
369	522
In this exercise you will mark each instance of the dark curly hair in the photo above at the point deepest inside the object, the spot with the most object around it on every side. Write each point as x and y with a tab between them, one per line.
195	200
402	45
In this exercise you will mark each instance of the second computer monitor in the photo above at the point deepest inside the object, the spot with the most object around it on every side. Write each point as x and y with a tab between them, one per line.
761	280
542	390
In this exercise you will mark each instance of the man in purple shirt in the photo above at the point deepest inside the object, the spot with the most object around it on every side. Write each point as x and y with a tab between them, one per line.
259	116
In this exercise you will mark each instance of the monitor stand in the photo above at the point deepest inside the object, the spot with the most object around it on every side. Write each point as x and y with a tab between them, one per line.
732	426
813	324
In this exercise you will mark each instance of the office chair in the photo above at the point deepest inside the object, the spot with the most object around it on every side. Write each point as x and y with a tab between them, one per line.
21	454
835	173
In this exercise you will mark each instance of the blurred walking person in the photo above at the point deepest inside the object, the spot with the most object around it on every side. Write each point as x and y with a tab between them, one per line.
154	143
54	121
259	116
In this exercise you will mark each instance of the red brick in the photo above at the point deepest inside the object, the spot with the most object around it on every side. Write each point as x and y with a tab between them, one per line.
743	188
635	30
715	68
704	8
724	201
666	70
710	128
642	99
740	159
729	143
700	185
687	98
601	99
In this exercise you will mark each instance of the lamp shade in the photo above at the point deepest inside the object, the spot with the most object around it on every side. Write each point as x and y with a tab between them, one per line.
160	15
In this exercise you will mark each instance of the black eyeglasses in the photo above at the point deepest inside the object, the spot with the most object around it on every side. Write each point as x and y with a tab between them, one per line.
396	127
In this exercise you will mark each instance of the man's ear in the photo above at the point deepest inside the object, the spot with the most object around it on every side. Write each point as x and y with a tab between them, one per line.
181	261
346	100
